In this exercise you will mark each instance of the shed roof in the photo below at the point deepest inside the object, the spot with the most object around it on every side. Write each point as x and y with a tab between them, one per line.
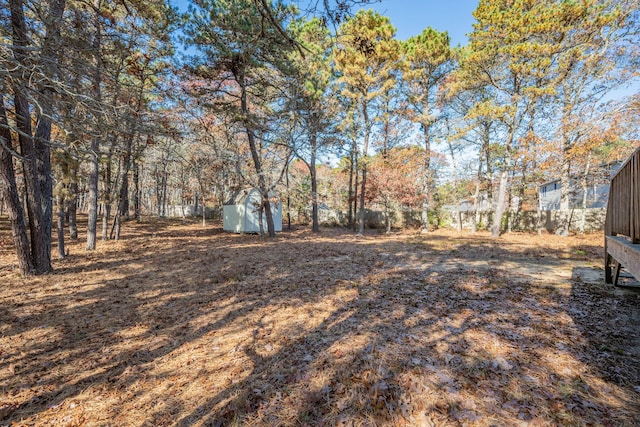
238	197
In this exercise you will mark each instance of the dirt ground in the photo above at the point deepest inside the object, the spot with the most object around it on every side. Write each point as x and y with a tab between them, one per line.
180	325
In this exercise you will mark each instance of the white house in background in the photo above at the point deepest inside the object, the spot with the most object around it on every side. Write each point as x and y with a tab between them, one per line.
467	205
597	189
241	214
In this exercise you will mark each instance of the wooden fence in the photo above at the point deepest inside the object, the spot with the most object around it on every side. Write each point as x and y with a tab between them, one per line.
622	224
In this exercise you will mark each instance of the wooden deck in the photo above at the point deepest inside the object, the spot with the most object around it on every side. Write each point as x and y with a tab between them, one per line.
622	225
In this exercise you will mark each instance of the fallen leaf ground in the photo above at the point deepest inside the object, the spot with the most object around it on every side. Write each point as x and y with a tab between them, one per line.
180	325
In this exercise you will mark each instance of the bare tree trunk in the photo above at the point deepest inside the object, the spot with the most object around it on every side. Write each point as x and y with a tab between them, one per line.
122	206
509	210
136	191
565	197
92	223
107	183
426	178
269	216
538	214
350	195
34	161
387	214
288	200
260	220
362	191
503	190
490	176
585	189
356	214
255	155
538	224
182	188
204	211
496	227
476	198
60	225
356	185
161	193
72	208
365	155
123	199
10	194
456	183
94	166
51	48
314	185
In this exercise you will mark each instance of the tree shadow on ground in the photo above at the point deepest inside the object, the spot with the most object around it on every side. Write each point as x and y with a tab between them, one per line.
608	317
214	329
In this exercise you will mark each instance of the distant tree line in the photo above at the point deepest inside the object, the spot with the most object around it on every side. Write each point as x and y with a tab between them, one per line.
121	108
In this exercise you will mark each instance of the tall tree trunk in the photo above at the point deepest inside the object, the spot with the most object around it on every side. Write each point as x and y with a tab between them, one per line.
288	199
365	154
314	184
159	192
356	185
45	182
51	48
426	178
350	195
204	211
476	198
10	194
387	213
538	219
255	155
269	216
503	189
123	198
94	171
94	165
585	191
72	208
183	185
106	198
60	201
509	209
260	219
33	151
136	191
565	196
163	206
363	184
456	183
505	173
197	199
564	218
486	139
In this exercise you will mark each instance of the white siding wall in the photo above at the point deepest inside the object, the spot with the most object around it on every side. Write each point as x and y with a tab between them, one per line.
243	217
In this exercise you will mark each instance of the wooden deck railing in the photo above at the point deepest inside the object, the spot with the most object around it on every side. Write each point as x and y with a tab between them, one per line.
622	225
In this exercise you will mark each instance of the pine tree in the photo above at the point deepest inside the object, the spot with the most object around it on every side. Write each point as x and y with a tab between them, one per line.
244	49
313	107
427	62
366	59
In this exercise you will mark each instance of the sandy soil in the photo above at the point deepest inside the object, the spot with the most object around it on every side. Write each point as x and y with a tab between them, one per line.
180	325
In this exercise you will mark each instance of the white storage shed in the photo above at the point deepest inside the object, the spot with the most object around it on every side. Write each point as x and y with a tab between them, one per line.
240	213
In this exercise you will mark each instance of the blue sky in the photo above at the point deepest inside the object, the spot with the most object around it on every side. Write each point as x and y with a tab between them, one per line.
410	17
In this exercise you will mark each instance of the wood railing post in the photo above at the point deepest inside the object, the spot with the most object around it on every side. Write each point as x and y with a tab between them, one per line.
623	209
